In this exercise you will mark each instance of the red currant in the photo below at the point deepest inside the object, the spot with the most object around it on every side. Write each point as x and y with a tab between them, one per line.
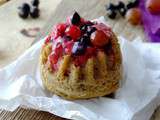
59	30
47	40
74	32
68	47
53	58
90	51
80	60
99	38
59	49
61	27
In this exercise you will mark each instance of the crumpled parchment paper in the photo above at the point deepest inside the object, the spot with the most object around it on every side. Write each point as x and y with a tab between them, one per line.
139	95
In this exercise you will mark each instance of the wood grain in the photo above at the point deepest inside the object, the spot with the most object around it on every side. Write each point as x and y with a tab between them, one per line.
89	9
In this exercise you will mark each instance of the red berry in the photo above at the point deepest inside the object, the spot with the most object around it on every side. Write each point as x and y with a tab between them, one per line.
153	6
74	32
59	30
59	49
104	28
134	16
80	60
99	38
47	40
53	58
61	27
68	47
90	51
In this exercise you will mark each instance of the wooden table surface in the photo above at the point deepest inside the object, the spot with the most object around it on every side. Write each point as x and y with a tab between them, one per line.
89	9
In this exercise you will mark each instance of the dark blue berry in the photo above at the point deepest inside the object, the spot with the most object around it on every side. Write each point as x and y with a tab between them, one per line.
89	23
84	28
132	4
85	40
75	19
120	5
90	30
122	11
34	12
24	10
35	3
78	48
111	14
110	7
23	14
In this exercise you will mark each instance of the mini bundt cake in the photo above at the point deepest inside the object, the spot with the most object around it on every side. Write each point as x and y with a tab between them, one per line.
81	59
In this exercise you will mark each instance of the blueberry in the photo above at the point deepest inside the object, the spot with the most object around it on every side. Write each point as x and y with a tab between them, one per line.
90	30
84	28
78	48
34	12
23	14
122	11
110	7
85	40
35	3
111	14
25	7
75	19
24	10
89	23
132	4
120	5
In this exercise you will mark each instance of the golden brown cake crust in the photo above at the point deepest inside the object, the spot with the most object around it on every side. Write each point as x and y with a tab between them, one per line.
97	78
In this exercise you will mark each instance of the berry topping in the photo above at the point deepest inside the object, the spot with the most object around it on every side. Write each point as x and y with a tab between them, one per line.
59	49
35	3
80	60
47	40
89	23
79	38
59	30
68	47
24	10
85	39
99	38
104	28
84	28
74	32
90	30
90	51
34	12
78	48
75	19
53	58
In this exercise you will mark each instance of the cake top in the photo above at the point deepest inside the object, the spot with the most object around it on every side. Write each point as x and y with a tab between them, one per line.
79	38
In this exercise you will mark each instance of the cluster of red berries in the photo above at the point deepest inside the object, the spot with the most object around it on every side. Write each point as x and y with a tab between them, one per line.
79	38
